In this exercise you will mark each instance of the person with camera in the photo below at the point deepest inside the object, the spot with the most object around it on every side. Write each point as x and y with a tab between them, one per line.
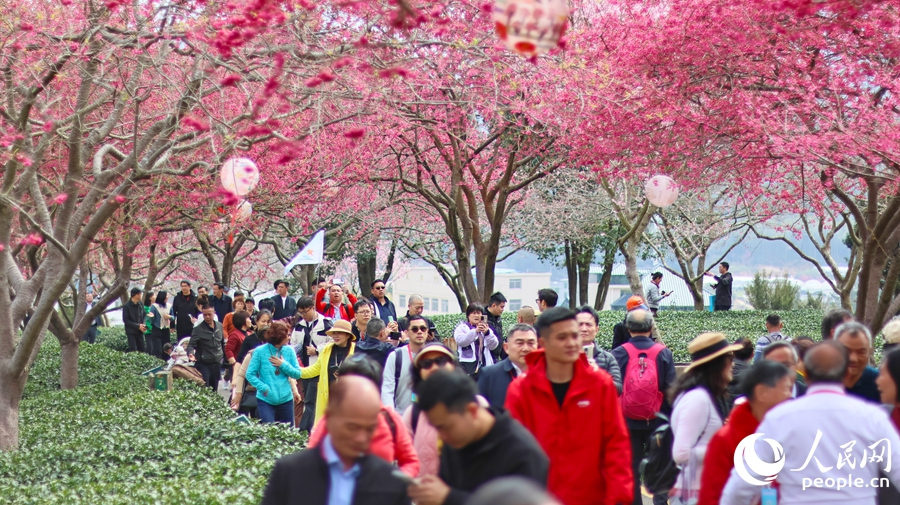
654	295
474	336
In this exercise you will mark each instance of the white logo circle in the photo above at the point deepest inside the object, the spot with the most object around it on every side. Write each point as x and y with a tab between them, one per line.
746	453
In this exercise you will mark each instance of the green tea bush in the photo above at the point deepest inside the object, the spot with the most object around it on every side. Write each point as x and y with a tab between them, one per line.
113	441
678	328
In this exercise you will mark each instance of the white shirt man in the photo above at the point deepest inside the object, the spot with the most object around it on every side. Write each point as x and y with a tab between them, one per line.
825	436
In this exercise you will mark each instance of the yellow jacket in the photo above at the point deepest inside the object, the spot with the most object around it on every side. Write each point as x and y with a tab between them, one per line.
315	370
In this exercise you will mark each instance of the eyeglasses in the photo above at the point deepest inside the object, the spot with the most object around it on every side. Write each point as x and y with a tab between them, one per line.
364	312
426	363
418	329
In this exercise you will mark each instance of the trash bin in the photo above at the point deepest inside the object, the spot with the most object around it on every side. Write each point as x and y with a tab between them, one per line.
712	303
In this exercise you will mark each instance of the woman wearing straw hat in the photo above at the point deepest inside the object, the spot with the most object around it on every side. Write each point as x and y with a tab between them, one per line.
330	358
700	399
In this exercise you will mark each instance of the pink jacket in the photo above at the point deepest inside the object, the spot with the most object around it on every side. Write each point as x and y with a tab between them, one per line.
383	444
426	443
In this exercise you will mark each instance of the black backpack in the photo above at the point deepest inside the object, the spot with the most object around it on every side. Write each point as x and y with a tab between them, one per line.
659	469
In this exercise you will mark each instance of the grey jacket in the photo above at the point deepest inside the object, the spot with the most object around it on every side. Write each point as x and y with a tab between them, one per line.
607	361
653	296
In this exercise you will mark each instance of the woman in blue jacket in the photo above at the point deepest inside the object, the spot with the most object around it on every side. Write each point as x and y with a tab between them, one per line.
268	372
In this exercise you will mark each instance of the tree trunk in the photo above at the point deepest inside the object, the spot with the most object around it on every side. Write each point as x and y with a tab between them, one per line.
571	273
584	275
629	251
68	373
389	268
11	389
366	263
696	288
603	287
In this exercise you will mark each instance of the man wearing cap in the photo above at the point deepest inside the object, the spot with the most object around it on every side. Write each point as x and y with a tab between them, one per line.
639	324
560	395
620	332
285	306
396	390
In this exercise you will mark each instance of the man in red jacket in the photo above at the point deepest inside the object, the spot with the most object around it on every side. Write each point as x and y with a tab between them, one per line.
335	308
765	385
573	411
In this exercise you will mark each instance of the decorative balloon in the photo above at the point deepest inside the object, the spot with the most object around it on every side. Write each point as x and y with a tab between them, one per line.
531	27
661	190
243	211
239	175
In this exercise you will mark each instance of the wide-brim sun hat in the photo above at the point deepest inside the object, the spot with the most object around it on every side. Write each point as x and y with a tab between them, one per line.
341	326
707	347
433	347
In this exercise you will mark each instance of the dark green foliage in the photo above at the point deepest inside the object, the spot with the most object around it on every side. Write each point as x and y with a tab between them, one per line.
113	441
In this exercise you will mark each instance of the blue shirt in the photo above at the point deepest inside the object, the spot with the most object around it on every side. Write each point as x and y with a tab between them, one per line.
342	484
865	387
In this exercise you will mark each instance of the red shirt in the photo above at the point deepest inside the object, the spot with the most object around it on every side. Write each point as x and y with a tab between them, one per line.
585	439
327	309
233	345
720	453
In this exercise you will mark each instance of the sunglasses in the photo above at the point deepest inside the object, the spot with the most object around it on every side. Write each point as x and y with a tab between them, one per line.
379	287
418	329
427	363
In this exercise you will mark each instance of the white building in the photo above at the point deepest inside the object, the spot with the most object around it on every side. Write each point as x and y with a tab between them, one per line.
519	288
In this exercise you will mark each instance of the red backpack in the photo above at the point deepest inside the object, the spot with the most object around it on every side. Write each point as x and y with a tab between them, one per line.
641	398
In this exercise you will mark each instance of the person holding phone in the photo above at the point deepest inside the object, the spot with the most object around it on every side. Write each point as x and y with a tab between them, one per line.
654	295
474	336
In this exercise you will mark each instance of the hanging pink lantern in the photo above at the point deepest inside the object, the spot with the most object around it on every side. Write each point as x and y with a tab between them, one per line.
661	190
239	176
531	27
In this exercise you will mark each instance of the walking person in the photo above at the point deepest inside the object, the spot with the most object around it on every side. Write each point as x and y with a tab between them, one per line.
90	336
207	346
309	337
391	441
237	305
479	444
220	301
475	340
241	322
133	317
700	407
588	324
184	309
396	392
340	471
765	385
654	295
494	381
284	305
573	411
270	367
161	323
648	374
494	312
329	361
384	307
774	325
434	356
860	379
832	427
722	287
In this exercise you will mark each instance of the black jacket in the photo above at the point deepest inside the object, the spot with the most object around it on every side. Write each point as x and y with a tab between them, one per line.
207	344
375	349
723	290
222	305
620	335
508	449
251	342
133	317
303	478
283	310
184	307
665	368
495	323
494	381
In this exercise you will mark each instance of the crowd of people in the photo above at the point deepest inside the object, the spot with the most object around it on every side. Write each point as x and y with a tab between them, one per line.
397	414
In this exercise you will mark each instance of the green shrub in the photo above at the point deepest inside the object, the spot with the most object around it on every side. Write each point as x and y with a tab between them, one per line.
113	441
678	328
